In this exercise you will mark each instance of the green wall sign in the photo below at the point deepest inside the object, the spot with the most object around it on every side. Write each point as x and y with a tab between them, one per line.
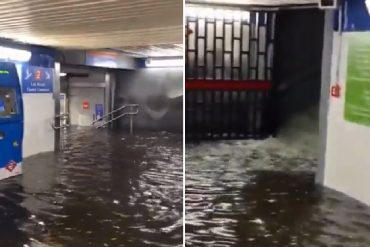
357	98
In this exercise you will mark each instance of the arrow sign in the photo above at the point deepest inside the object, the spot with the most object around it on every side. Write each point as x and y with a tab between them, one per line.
28	74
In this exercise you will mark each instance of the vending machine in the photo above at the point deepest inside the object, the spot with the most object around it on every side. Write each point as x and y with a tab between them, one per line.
11	121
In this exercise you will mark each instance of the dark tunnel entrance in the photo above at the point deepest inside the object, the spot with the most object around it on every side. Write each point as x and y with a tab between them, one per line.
297	72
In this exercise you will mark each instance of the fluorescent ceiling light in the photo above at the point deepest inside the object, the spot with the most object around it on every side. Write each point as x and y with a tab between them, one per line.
156	63
12	54
62	74
217	13
328	4
105	64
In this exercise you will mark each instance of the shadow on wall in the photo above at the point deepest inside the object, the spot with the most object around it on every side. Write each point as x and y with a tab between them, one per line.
159	93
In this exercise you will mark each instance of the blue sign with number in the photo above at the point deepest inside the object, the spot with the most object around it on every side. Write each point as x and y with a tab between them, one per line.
37	79
99	111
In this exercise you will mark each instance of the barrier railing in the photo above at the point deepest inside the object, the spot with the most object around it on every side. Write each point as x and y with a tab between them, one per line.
227	109
109	117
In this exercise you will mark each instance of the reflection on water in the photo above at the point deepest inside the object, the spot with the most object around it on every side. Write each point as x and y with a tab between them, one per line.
103	189
262	194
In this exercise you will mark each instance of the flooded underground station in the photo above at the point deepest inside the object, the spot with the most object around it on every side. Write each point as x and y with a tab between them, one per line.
254	136
104	188
263	193
91	138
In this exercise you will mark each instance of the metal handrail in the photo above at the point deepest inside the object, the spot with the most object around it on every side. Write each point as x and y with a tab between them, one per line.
131	114
62	116
110	113
118	117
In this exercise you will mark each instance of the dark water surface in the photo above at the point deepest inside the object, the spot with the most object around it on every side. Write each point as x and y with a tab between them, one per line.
262	194
102	189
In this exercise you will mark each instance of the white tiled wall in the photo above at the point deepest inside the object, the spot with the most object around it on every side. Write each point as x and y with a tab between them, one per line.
38	117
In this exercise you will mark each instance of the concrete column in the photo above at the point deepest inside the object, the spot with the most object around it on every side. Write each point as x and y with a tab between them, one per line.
108	107
56	97
113	80
325	92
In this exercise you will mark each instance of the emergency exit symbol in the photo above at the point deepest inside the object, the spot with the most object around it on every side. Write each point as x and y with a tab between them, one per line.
85	105
335	91
11	165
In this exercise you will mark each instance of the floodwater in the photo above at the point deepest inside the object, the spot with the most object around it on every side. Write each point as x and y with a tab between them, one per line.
103	189
262	194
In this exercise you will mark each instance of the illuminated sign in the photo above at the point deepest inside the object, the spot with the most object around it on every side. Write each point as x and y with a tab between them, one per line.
328	4
85	105
37	79
4	72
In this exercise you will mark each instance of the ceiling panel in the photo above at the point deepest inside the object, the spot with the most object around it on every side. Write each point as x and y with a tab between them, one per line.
256	2
169	50
92	23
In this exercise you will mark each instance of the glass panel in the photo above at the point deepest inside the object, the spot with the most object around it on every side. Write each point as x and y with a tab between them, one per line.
262	39
227	67
191	38
253	54
236	53
219	28
219	52
261	68
245	67
245	38
210	36
210	66
228	37
237	26
201	47
201	27
8	106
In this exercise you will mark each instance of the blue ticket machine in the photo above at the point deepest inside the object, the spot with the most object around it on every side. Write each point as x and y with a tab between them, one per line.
11	121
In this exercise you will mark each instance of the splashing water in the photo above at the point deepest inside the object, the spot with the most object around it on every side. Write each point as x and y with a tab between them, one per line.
262	193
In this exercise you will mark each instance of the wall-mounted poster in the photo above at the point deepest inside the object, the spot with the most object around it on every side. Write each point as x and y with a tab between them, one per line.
357	98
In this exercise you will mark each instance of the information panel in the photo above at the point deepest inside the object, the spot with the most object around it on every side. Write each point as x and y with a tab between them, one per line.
99	111
37	79
357	98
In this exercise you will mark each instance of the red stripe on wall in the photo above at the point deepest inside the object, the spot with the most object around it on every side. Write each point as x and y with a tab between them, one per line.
227	85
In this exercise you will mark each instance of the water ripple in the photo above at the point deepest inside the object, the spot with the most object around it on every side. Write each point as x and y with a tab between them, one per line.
102	189
262	194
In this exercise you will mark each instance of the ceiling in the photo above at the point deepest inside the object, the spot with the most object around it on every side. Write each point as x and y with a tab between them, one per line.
167	50
256	2
92	24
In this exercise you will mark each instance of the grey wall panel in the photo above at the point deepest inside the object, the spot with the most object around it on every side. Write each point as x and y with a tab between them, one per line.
325	92
94	86
159	92
80	116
